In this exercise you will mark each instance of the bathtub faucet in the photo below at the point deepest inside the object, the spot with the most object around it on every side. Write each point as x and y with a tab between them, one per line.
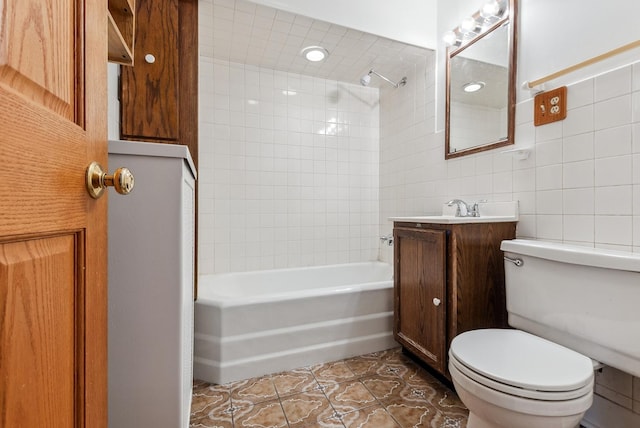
388	239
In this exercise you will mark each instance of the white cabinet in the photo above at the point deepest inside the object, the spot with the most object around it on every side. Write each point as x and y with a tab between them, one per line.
151	279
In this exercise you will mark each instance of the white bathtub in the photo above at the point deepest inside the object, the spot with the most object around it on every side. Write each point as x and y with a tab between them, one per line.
253	323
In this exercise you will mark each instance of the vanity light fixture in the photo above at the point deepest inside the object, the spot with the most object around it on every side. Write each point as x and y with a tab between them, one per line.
473	86
490	13
314	53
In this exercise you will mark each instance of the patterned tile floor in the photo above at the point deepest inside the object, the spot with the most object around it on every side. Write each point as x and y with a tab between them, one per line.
380	390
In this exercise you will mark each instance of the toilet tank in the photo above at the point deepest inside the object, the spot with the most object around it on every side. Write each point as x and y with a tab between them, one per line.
586	299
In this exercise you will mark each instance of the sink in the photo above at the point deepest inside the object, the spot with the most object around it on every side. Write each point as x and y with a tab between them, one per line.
490	212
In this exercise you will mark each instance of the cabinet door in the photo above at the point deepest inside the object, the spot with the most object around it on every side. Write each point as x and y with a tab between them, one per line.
419	294
159	95
149	90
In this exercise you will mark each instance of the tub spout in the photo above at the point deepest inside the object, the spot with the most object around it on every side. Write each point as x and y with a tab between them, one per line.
388	239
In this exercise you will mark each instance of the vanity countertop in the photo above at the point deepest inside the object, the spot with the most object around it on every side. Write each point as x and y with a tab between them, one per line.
441	219
490	212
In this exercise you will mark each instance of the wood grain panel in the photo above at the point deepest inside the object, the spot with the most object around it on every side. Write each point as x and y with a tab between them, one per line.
473	284
419	278
41	348
149	92
39	183
32	63
478	298
52	234
188	95
188	81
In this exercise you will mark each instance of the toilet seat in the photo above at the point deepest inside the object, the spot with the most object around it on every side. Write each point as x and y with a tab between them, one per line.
520	364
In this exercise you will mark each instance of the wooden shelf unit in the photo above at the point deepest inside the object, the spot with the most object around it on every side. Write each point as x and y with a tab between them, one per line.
121	27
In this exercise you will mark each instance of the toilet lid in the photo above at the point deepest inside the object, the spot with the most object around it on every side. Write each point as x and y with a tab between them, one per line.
522	360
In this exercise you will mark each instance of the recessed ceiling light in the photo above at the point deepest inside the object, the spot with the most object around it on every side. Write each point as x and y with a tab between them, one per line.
472	86
314	53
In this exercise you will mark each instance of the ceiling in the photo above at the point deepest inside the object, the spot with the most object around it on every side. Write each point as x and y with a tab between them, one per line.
408	21
249	33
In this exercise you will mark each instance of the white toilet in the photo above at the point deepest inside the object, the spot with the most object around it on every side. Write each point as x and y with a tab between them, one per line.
570	305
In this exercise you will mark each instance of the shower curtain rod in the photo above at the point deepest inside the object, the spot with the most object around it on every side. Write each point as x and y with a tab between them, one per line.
595	59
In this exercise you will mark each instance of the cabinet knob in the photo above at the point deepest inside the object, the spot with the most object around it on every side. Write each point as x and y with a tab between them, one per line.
436	301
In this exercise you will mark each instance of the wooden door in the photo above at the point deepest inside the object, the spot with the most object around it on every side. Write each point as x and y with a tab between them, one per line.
420	278
53	289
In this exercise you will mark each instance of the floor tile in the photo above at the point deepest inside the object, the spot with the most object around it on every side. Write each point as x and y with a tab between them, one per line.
333	372
306	408
211	422
350	396
294	382
369	417
363	366
261	415
384	389
415	413
255	390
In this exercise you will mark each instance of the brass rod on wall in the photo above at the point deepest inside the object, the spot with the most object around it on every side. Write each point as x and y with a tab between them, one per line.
582	64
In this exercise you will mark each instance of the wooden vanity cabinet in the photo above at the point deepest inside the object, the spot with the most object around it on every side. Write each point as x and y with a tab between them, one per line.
448	278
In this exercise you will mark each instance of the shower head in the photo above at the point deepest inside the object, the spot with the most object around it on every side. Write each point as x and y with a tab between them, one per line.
366	79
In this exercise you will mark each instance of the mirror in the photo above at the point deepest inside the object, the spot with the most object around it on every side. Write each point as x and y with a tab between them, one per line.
484	60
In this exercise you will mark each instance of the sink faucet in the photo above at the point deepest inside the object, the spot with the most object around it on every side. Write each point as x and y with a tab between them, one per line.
475	210
462	209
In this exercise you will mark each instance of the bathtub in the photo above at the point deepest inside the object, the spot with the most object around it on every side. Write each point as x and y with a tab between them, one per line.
254	323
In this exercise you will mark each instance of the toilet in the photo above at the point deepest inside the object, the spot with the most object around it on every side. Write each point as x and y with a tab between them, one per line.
572	308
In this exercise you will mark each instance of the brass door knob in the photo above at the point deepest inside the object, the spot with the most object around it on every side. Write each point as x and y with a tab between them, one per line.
97	180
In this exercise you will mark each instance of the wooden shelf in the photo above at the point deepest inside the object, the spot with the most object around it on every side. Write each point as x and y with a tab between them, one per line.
121	29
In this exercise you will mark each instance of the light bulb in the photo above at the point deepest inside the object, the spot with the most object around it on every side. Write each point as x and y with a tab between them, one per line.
490	9
450	38
468	25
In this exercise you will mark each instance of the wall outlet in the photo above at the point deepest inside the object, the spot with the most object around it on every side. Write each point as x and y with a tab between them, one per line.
550	106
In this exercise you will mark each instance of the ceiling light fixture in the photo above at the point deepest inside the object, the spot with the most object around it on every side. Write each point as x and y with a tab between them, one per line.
472	86
314	53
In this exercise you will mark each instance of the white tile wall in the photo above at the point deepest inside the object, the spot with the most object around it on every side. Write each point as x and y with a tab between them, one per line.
288	169
581	183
